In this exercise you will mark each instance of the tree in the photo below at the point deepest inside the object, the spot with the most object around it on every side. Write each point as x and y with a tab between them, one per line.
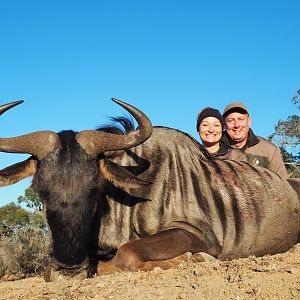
296	99
31	199
12	217
287	138
287	134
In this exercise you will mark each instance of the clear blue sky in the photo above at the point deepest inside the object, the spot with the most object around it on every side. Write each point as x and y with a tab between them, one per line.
66	59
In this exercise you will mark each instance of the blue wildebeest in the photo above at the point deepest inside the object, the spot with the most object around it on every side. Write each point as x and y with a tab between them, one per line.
146	198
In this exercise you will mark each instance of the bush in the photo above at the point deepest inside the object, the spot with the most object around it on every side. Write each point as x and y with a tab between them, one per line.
8	262
32	255
26	251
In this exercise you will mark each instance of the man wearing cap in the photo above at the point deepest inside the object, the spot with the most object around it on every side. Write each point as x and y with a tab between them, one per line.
253	149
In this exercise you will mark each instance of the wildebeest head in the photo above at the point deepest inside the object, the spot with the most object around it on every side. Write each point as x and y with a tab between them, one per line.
67	170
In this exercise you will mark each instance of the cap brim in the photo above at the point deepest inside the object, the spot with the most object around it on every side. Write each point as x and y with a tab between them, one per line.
235	109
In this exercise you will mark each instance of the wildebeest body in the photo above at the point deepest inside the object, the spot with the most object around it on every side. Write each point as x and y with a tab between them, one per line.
238	208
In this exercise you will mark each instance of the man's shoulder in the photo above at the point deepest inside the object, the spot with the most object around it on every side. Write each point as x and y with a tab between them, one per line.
265	142
274	156
264	148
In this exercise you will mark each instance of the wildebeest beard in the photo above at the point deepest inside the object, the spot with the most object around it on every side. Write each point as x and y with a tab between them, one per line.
67	182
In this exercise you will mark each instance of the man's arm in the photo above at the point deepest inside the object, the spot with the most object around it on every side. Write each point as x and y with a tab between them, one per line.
277	164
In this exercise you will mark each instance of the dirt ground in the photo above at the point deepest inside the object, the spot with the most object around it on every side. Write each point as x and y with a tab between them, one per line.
268	277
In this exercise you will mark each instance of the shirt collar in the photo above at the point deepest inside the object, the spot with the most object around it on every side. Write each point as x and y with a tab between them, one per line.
251	141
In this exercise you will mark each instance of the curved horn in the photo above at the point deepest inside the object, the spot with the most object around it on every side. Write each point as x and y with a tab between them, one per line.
5	107
37	143
96	142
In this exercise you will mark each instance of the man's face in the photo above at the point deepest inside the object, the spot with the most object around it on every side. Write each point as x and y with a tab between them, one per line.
238	126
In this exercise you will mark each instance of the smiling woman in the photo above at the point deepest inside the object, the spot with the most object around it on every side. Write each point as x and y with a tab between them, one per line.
210	126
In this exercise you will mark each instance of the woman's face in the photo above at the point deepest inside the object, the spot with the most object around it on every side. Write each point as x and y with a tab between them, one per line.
210	131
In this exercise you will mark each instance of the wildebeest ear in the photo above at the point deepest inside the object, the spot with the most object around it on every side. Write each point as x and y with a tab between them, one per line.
18	171
119	176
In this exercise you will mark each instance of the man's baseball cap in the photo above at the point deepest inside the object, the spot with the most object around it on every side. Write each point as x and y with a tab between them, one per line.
235	107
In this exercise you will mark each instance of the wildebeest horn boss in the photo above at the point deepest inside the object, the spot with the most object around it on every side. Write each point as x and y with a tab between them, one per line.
128	200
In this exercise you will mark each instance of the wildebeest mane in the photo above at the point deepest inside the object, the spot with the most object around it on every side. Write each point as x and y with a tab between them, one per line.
125	125
118	125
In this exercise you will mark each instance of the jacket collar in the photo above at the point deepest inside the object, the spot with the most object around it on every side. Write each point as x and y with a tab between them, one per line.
251	141
223	149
